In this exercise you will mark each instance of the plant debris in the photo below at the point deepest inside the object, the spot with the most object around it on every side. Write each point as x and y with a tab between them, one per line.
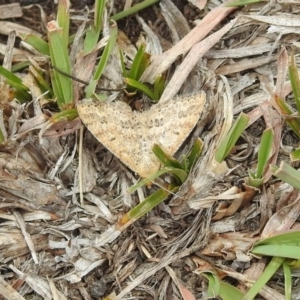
64	196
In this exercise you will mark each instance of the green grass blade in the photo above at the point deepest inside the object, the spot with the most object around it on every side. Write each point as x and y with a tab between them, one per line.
158	87
214	283
179	173
136	63
20	66
69	114
286	251
265	150
107	51
235	132
132	10
253	181
36	42
172	165
269	271
136	85
99	11
22	91
147	180
60	59
140	63
19	87
91	39
93	33
103	61
100	97
242	3
229	292
291	237
190	160
63	20
295	81
293	122
2	139
13	79
56	90
148	204
295	155
166	159
288	174
287	281
42	83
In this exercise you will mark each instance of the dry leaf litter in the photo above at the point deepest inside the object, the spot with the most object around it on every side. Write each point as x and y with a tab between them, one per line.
55	245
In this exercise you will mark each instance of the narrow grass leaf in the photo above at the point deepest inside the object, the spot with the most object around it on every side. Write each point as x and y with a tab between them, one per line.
253	181
132	10
295	155
145	181
242	3
22	91
285	108
229	292
158	87
292	120
135	71
91	38
107	51
295	81
63	20
13	79
60	59
235	132
287	281
269	271
136	85
292	237
149	203
194	155
93	33
286	251
56	90
1	137
69	114
36	42
18	86
294	263
180	174
265	150
98	16
166	159
214	283
100	97
145	62
42	83
288	174
103	61
20	66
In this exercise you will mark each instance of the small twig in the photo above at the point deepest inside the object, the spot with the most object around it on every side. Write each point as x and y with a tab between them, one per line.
84	82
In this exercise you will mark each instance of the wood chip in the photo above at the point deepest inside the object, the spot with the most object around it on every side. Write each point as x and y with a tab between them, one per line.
12	10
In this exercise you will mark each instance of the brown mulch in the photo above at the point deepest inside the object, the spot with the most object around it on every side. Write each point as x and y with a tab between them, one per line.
51	241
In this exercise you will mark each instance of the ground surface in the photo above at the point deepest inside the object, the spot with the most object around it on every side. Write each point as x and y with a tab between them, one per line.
51	242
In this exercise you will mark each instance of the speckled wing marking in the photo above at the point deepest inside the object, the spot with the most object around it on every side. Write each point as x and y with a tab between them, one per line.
130	135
